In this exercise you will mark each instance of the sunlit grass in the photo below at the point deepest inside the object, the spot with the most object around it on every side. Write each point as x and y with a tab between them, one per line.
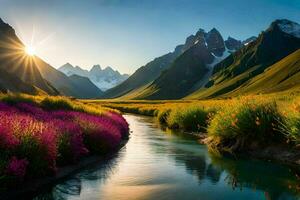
231	124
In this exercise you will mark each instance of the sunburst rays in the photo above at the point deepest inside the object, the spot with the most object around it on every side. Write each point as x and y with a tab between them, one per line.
15	59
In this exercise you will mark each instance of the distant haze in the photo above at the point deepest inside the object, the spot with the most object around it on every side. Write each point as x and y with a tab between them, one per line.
127	34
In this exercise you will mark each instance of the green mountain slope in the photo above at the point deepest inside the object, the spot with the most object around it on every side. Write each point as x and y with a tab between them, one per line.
85	85
143	75
182	75
192	69
176	74
239	68
36	75
282	76
11	83
78	87
14	60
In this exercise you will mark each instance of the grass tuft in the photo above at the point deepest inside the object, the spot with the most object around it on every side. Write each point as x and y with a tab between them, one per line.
13	99
56	103
237	128
192	118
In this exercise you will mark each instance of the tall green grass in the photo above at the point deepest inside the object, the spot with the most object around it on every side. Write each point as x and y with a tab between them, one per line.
242	126
51	103
163	116
192	118
13	99
231	125
291	127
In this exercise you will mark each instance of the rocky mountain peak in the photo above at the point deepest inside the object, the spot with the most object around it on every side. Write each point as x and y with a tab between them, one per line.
214	30
201	33
233	44
67	65
6	29
189	42
95	69
103	78
108	68
215	42
288	27
178	49
249	40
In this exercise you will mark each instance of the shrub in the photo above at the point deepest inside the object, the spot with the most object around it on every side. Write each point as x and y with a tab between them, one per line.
100	133
56	103
37	145
193	118
70	142
120	122
238	127
13	99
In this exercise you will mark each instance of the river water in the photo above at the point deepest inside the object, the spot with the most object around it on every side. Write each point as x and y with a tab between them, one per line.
157	164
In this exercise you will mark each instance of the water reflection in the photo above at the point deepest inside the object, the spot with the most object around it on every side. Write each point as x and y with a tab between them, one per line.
98	173
170	165
277	182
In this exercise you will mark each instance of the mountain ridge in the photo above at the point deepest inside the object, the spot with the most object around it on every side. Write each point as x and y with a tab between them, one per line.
151	71
188	71
104	79
29	74
271	46
14	60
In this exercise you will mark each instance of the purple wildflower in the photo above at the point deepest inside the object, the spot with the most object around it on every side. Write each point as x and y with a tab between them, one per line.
17	167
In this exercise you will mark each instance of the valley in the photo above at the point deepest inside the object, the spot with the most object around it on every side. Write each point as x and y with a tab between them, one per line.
188	113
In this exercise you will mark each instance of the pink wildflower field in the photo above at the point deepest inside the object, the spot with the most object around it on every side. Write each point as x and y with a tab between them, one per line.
35	142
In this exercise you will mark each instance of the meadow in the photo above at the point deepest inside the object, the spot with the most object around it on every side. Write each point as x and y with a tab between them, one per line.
39	135
232	125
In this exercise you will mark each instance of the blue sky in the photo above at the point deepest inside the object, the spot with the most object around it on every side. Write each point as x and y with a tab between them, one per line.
126	34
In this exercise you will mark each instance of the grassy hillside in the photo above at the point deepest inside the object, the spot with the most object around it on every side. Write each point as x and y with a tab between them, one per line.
239	68
283	76
190	71
142	76
11	83
182	75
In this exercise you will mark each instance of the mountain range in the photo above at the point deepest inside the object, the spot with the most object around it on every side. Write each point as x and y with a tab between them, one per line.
271	51
104	79
208	66
30	74
180	72
205	66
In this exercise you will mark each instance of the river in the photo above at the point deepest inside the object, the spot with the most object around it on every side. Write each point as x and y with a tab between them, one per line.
157	164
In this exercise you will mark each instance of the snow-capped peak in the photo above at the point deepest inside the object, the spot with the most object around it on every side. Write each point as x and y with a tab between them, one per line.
289	27
103	78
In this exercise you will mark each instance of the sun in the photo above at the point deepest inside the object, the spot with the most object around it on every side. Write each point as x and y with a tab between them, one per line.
30	50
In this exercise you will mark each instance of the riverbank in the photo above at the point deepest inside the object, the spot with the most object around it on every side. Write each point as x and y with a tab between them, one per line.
32	188
158	164
43	139
263	127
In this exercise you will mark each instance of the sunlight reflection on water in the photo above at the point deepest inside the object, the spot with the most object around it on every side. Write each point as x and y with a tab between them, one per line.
159	165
